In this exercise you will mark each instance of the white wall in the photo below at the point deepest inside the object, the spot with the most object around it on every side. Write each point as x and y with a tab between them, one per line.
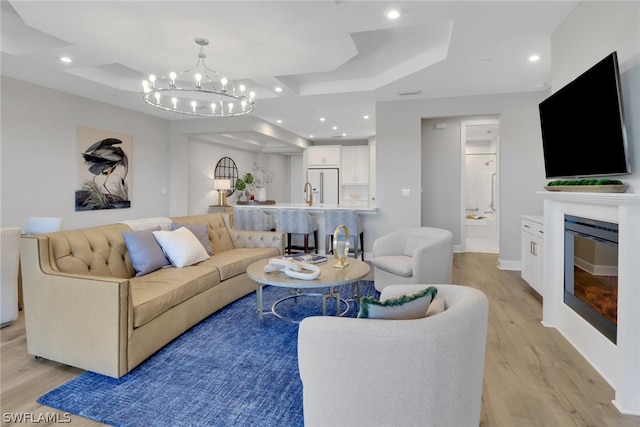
39	156
399	146
592	31
203	158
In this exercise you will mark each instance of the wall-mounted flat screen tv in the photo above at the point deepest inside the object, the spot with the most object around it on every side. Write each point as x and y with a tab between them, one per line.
583	132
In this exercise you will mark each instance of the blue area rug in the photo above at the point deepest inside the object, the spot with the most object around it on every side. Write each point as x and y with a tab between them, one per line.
225	371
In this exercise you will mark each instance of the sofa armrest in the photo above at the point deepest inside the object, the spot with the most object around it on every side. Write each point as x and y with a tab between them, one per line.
255	239
79	320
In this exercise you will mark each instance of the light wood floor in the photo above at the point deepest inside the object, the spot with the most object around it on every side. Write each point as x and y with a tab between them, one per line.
533	376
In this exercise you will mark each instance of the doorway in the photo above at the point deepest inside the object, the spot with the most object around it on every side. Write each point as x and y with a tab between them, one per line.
480	194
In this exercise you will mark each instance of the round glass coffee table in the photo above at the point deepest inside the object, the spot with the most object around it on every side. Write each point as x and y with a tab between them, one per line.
328	279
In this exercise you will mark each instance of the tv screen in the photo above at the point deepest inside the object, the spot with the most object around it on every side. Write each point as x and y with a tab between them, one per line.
582	124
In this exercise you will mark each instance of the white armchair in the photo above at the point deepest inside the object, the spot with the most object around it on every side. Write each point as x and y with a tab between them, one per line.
373	372
10	251
413	255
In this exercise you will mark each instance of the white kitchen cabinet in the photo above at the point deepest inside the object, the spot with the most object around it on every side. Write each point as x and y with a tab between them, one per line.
532	231
355	165
324	156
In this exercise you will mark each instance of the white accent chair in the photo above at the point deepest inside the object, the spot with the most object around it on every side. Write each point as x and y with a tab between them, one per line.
413	255
374	372
10	254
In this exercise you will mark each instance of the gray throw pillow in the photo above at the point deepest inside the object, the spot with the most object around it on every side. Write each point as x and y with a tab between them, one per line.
145	252
201	231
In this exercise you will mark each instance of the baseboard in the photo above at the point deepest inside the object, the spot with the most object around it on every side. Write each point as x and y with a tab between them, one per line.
509	265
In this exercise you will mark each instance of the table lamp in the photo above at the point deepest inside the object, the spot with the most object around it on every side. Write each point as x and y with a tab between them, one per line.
222	185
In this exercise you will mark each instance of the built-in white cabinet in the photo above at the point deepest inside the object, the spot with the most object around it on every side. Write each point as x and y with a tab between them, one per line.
355	165
532	231
324	156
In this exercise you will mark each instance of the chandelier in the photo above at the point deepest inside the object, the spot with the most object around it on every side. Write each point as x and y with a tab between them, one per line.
210	95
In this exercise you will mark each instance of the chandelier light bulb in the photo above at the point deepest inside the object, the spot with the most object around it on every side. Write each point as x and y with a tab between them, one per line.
212	88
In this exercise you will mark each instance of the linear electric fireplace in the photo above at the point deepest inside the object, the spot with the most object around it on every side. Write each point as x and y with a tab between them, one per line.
591	272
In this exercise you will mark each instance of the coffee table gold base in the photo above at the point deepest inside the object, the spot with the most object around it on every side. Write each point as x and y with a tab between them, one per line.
329	279
326	296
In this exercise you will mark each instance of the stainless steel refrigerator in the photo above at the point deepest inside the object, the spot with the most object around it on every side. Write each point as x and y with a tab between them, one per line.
324	184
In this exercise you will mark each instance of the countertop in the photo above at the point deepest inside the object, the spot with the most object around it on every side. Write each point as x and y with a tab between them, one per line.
319	207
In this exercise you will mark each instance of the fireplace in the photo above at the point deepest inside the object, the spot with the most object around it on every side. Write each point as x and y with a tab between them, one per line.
591	272
619	362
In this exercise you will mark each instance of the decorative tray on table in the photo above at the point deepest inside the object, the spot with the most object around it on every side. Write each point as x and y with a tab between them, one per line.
588	185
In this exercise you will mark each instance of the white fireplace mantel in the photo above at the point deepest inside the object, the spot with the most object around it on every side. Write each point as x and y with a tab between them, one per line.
619	363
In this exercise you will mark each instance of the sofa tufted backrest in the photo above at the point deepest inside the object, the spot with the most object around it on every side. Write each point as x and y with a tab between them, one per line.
95	251
218	232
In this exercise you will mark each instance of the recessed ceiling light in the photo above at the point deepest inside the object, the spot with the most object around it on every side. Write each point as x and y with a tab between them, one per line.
279	121
534	58
277	89
310	136
344	134
393	14
366	117
64	59
322	119
335	128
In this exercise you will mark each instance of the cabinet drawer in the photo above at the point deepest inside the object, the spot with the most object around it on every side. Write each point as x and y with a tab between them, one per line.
533	228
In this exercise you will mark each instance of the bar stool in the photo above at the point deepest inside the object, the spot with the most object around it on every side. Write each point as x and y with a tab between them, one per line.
298	222
252	219
355	224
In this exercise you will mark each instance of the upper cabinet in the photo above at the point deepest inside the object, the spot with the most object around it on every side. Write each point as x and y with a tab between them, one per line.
355	165
324	156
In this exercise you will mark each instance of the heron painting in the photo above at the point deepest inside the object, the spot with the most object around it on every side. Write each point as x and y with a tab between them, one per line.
104	163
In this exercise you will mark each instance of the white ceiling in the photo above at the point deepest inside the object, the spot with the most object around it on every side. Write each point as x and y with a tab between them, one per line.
334	59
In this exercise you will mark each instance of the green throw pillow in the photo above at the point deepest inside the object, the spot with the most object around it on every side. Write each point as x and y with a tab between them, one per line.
409	306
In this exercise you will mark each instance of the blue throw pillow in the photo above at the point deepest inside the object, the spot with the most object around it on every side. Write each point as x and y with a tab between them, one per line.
145	252
201	231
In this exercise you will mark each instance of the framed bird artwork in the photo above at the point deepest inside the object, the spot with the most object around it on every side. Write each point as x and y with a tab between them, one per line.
104	169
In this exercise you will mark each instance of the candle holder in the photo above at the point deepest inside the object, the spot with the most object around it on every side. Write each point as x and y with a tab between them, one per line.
341	246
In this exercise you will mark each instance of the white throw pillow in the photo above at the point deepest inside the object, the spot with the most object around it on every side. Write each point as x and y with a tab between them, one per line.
404	307
181	246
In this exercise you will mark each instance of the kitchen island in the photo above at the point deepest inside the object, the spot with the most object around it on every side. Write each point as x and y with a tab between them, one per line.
317	211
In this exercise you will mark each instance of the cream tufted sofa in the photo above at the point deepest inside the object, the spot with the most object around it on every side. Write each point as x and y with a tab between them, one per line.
85	307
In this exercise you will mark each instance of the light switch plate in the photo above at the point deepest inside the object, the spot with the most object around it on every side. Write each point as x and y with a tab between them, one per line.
406	192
